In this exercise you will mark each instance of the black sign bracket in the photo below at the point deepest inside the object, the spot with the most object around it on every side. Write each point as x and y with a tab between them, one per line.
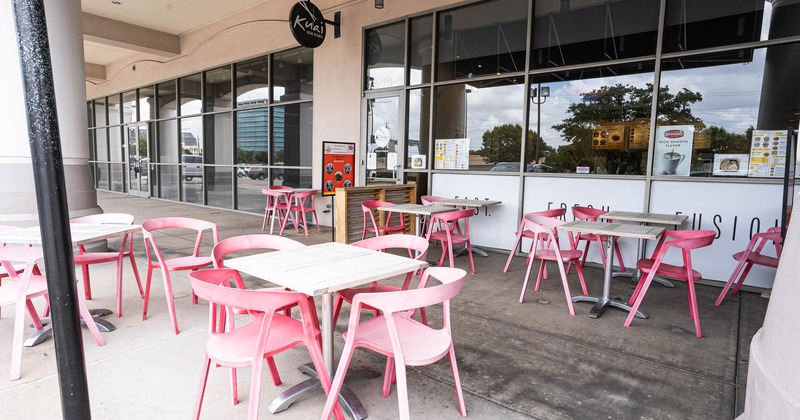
337	24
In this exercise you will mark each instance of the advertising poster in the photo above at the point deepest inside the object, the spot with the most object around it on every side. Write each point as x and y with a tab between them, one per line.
731	164
673	150
768	154
338	166
451	154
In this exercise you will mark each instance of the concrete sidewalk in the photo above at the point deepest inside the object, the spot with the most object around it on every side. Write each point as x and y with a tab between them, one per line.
517	361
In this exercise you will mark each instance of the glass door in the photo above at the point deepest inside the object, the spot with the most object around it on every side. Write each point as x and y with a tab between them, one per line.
138	160
385	138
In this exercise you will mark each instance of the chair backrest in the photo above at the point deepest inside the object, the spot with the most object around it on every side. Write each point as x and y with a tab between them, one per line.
248	242
772	234
554	212
305	198
587	213
110	218
279	187
414	244
197	225
545	228
20	254
429	200
275	196
686	240
367	207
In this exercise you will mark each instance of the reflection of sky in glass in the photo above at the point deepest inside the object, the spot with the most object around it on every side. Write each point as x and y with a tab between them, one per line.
414	114
386	77
253	95
191	107
384	114
488	107
144	109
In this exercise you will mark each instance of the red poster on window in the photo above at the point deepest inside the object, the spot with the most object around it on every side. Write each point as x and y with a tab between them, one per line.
338	166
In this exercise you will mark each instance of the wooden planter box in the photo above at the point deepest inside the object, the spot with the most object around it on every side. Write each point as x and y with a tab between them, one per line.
349	219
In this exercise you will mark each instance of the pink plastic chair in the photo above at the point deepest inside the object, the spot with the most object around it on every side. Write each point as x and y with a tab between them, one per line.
84	259
417	248
452	233
752	256
686	241
266	334
156	259
277	207
588	213
404	340
430	200
523	233
368	207
301	203
544	231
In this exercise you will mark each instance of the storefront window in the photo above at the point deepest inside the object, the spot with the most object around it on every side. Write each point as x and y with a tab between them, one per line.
292	135
293	75
384	54
100	112
217	140
190	94
252	83
114	110
252	136
420	50
129	107
167	100
167	142
489	115
147	104
218	89
418	142
482	39
696	24
566	33
101	144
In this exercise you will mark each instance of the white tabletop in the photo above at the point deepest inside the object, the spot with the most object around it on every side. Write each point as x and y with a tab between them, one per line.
657	218
614	229
81	233
462	202
416	209
319	269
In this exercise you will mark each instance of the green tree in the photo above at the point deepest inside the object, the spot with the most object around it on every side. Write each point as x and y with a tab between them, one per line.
504	142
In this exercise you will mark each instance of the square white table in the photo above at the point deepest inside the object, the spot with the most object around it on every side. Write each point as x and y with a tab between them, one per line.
611	231
417	210
472	204
81	233
320	270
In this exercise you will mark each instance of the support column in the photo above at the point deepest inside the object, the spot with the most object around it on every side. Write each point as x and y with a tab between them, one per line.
18	206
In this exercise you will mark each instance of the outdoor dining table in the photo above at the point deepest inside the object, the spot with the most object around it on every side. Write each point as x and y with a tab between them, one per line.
472	204
611	231
645	219
82	234
320	270
416	210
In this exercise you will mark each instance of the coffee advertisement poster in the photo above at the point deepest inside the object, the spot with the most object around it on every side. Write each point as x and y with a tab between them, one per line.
673	150
768	154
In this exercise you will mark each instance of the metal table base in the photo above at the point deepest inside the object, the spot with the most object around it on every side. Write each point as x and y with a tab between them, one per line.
40	336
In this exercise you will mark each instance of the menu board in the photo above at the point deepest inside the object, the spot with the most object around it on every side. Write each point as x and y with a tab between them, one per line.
730	164
673	150
768	154
451	154
338	166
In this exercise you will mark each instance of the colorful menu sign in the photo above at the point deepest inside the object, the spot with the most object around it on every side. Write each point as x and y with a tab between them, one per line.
451	154
768	154
338	166
673	150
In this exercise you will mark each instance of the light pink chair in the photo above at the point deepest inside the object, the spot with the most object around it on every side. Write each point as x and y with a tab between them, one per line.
686	241
268	332
301	203
523	233
397	335
368	207
752	255
452	233
545	231
277	207
417	248
429	200
588	213
84	259
157	260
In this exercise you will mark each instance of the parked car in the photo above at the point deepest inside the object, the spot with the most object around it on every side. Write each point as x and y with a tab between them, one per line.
514	167
192	166
242	171
263	173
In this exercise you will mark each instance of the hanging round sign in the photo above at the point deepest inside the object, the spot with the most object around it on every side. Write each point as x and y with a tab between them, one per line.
307	24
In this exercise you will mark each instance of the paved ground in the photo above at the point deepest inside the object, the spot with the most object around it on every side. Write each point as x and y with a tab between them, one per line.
517	361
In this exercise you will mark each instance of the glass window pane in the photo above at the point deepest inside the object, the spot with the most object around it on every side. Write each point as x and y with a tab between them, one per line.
190	95
252	136
218	89
147	108
297	178
100	112
192	179
248	192
167	142
129	107
217	140
596	118
219	181
101	144
489	114
292	135
117	180
421	50
167	187
481	39
89	114
418	142
116	144
192	136
101	172
384	56
293	75
167	100
696	24
113	109
605	30
252	83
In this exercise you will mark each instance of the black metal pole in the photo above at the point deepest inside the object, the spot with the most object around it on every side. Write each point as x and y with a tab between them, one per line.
51	200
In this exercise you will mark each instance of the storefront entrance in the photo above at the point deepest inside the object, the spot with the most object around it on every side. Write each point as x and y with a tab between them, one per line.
384	136
138	160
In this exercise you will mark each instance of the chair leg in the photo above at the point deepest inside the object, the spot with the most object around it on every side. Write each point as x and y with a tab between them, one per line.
693	307
16	349
89	321
337	307
457	381
119	286
201	389
234	387
135	272
255	390
539	275
170	301
305	222
147	282
566	287
331	402
640	294
511	254
619	257
580	277
87	285
741	278
388	377
402	390
469	251
527	276
273	371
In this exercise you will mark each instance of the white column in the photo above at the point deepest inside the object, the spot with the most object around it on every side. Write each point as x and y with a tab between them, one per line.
18	203
773	375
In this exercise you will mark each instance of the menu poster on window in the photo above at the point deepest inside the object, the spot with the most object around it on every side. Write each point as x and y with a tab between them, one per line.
768	154
730	164
451	154
673	150
338	166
